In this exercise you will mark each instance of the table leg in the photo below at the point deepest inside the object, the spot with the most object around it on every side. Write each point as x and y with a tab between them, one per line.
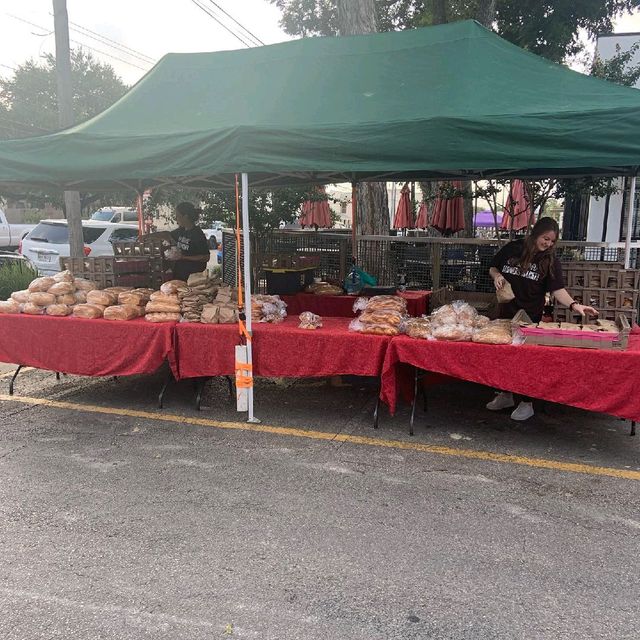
169	379
376	412
230	383
202	383
13	379
415	400
58	376
633	428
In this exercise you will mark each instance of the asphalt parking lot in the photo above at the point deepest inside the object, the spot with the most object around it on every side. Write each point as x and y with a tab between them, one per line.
119	520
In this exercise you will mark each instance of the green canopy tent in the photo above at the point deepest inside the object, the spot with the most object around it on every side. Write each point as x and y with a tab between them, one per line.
453	101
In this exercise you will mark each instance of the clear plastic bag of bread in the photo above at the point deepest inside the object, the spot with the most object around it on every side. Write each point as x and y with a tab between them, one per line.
452	332
167	298
417	328
481	321
67	298
82	284
465	313
387	303
33	309
21	296
171	287
58	310
159	306
496	332
102	297
62	288
91	311
374	329
162	317
505	293
309	320
42	299
389	317
444	315
41	285
121	312
64	276
133	298
80	297
10	306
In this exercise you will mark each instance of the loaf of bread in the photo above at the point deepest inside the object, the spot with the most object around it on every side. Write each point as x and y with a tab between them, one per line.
162	317
41	284
380	329
10	306
121	312
309	320
103	298
167	298
62	288
58	310
67	298
32	309
389	317
387	303
42	299
455	332
171	287
418	328
21	296
496	332
133	298
82	284
63	276
80	297
162	307
88	311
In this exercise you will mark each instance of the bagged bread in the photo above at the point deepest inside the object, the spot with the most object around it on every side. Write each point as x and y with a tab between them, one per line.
505	294
375	329
82	284
196	279
41	284
88	311
391	317
117	290
32	309
63	276
80	297
496	332
120	312
162	317
418	328
455	332
103	298
42	299
133	298
171	287
20	296
162	307
67	298
309	320
62	288
210	313
481	321
228	313
10	306
167	298
58	310
381	303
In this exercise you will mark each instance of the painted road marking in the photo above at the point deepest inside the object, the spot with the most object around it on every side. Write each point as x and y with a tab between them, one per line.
472	454
8	374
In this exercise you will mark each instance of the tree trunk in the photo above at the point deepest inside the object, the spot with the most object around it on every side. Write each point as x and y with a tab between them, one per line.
356	17
486	12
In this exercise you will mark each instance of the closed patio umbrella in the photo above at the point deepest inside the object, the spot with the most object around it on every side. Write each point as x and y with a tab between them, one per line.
316	213
448	213
517	211
422	221
404	213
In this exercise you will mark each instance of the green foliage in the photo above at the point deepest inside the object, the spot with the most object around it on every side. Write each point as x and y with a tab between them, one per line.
15	277
618	68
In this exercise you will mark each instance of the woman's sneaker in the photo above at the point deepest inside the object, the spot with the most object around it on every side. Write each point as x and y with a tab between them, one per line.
522	412
503	400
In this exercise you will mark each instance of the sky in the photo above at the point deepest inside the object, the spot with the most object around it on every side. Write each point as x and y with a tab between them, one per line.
150	27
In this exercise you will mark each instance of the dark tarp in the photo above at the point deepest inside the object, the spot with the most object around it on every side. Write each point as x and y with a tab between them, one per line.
442	101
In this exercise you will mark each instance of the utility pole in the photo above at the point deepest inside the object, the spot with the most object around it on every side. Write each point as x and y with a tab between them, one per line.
66	119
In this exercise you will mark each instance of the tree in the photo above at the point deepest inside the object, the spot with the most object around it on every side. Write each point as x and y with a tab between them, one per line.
29	107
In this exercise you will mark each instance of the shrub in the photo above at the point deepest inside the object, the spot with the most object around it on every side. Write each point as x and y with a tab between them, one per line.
15	276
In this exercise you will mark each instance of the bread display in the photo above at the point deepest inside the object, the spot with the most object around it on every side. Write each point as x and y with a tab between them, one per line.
82	284
64	276
162	307
454	332
33	309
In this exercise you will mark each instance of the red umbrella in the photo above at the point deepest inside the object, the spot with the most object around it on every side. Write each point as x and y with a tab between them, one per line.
448	213
404	213
316	213
422	221
517	212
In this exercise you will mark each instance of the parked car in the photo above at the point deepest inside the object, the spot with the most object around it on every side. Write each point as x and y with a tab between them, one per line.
115	214
49	241
214	234
11	234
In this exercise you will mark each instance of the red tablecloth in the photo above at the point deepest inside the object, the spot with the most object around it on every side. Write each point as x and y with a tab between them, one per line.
342	306
280	350
597	380
85	347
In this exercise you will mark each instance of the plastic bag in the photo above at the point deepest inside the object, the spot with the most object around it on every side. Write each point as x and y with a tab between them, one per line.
103	298
375	329
33	309
121	312
20	296
309	320
88	311
496	332
58	310
465	313
63	276
391	318
10	306
453	332
417	328
162	317
42	299
171	287
40	284
62	288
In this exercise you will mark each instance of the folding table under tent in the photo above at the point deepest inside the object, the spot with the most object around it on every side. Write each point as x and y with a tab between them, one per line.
403	105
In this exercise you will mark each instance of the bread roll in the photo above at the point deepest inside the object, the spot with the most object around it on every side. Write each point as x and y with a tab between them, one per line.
88	311
21	296
41	284
103	298
68	298
120	312
58	310
162	317
33	309
62	288
10	306
42	299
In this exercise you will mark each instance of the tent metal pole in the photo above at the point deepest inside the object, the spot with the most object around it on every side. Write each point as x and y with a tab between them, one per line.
246	254
630	205
354	220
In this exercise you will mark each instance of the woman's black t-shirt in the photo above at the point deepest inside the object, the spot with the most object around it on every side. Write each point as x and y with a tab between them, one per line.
529	287
191	242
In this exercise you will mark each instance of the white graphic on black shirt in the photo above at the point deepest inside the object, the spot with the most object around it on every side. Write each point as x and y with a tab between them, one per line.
531	274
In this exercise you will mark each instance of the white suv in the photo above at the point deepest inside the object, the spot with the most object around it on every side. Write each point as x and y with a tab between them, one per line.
115	214
49	241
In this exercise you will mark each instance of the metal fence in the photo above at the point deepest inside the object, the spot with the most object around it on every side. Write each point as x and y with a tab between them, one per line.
425	263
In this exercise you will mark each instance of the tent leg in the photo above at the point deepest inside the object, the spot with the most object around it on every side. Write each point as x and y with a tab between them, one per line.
633	428
247	286
13	379
627	240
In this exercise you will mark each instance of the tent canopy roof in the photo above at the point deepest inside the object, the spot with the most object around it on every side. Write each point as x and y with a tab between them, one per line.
445	101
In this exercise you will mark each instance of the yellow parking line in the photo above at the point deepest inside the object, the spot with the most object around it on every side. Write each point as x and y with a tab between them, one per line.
8	374
488	456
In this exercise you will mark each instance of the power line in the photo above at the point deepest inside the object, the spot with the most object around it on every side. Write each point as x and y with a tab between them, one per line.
224	26
256	39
